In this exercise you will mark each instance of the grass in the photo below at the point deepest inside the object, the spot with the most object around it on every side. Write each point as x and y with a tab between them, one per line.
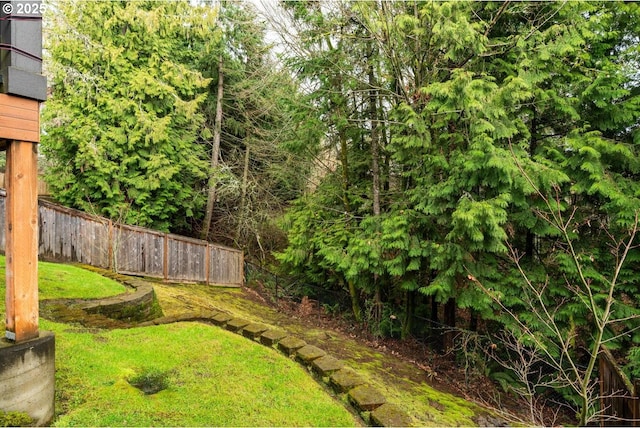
211	377
402	384
58	281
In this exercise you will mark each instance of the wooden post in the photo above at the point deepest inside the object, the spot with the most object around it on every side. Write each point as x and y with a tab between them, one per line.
21	241
165	258
207	263
110	244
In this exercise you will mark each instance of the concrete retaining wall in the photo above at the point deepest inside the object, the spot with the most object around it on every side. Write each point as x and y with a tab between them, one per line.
27	378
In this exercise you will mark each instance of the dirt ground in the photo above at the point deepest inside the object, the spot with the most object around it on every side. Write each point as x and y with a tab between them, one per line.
430	387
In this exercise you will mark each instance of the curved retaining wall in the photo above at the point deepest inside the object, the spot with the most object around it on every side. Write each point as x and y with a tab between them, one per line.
136	306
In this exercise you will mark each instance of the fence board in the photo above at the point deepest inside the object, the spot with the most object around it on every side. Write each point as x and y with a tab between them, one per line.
70	238
226	265
138	251
618	397
187	259
70	235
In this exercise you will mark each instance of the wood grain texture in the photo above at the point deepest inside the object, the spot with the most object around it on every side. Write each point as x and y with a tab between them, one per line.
21	229
19	119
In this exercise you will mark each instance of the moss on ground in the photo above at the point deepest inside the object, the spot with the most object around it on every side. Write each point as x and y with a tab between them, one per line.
15	419
404	384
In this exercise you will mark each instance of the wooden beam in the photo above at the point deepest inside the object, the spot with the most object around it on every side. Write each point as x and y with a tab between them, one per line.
21	229
19	119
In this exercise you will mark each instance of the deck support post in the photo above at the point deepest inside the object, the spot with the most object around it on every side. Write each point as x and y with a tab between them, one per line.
21	231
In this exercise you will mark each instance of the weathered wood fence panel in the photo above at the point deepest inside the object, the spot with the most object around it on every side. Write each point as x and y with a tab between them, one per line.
138	250
70	235
224	265
619	402
187	259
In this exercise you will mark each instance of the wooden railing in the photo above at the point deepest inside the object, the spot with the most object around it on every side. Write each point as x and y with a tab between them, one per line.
69	235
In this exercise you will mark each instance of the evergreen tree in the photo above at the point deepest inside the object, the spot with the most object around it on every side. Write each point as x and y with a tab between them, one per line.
123	120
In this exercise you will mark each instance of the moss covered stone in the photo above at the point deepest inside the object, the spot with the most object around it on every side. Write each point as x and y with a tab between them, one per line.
366	398
290	344
308	353
252	331
140	305
221	319
326	365
237	324
390	415
271	337
345	379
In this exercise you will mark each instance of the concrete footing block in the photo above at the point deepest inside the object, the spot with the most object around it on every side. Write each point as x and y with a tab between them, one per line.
221	319
252	331
326	365
308	353
345	380
27	378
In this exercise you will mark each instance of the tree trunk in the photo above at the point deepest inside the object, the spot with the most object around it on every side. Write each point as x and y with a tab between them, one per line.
450	322
215	155
355	301
243	196
473	321
375	172
410	309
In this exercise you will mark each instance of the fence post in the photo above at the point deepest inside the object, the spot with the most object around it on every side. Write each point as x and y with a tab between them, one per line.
636	403
165	258
207	264
110	246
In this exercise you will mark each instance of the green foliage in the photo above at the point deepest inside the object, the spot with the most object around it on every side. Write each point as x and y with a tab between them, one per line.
510	133
121	126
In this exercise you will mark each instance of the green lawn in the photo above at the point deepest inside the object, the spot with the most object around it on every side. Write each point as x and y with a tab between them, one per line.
58	281
214	377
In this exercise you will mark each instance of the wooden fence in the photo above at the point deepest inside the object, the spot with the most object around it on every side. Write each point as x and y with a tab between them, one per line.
69	235
619	401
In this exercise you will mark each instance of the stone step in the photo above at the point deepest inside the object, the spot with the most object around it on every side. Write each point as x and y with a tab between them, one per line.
308	353
345	379
390	415
272	337
290	344
366	398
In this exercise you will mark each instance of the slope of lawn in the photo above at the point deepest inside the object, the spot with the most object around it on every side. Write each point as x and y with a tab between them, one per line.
211	377
58	281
